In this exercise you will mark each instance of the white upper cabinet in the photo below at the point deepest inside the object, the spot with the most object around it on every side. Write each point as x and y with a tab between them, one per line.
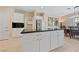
18	17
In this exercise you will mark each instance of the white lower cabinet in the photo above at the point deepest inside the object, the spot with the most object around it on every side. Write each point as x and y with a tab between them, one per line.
60	37
36	42
54	40
57	39
30	43
43	41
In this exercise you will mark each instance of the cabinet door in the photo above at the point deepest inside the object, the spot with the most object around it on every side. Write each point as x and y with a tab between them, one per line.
18	18
30	43
60	38
44	41
54	40
4	24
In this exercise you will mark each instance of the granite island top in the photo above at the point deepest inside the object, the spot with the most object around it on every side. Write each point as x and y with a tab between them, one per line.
25	31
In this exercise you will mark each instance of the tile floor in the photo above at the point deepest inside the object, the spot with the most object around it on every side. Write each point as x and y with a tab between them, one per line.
70	45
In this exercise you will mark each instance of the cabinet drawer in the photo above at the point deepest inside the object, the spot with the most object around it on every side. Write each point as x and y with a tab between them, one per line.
45	35
31	36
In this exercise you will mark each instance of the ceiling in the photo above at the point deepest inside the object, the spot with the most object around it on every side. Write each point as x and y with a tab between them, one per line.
50	10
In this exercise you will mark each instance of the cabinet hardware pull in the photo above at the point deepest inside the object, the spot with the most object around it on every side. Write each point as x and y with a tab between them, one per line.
3	39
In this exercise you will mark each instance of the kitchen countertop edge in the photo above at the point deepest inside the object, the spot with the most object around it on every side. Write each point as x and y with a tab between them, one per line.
25	32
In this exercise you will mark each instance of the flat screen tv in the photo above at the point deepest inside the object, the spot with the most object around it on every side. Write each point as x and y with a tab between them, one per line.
17	25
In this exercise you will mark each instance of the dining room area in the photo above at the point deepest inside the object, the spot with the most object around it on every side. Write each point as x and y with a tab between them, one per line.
70	24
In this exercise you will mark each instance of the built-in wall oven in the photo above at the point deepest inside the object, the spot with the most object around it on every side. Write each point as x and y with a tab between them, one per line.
17	28
17	25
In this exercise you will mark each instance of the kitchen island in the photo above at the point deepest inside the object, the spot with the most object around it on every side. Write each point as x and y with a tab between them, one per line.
42	41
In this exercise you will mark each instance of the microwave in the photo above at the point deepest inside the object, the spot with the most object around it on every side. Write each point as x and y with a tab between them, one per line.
17	25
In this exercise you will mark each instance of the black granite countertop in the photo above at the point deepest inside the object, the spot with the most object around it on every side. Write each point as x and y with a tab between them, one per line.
25	31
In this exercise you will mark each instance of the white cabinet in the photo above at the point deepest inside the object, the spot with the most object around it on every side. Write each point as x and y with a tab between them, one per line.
4	24
45	41
60	37
54	40
18	17
57	39
31	45
30	42
35	42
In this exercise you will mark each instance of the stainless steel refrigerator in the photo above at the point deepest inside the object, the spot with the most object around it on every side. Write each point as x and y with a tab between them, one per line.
38	25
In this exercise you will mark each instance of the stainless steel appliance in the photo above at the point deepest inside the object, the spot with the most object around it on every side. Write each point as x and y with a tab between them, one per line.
38	25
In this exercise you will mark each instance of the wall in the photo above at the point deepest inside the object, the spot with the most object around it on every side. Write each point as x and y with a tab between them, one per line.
29	18
70	19
62	20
